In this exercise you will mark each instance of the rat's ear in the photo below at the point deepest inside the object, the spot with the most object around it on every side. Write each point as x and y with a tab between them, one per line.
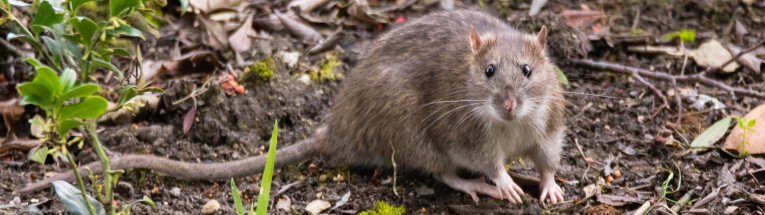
542	36
475	41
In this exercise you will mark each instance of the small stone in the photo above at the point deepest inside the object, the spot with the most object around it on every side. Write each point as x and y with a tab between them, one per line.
175	191
608	128
640	118
304	79
210	207
284	204
316	206
289	58
648	137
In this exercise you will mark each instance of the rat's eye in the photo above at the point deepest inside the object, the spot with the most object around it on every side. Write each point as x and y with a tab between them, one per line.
490	71
526	71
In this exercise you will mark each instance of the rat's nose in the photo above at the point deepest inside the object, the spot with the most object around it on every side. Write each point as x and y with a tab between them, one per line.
509	104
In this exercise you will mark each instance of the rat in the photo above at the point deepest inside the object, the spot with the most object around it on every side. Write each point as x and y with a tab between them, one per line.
451	90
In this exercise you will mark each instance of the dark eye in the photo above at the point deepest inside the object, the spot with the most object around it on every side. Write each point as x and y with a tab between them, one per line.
526	71
490	71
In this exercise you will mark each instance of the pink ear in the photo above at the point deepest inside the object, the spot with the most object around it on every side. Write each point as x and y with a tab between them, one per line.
475	40
542	36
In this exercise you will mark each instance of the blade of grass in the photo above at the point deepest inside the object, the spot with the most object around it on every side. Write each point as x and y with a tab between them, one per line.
265	185
237	200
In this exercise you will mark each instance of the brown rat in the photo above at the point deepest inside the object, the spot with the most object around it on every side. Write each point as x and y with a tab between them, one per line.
450	90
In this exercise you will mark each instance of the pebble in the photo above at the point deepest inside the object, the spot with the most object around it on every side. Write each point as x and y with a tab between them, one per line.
210	207
175	191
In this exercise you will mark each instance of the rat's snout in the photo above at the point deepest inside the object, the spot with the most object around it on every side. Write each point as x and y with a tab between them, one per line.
509	103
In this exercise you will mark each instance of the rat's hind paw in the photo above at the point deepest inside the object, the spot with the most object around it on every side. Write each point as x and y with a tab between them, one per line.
507	188
551	189
471	187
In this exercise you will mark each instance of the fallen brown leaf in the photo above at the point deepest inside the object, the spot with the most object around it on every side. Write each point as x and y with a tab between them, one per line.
205	6
576	18
750	59
360	10
217	37
329	43
242	37
11	112
615	200
756	139
298	29
21	144
306	6
713	54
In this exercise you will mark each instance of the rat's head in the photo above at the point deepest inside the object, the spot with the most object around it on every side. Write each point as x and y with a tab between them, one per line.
513	70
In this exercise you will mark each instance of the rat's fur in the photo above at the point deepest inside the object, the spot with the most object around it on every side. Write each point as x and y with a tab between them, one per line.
421	90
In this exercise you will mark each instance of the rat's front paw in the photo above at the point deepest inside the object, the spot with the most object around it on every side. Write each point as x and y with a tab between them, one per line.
551	189
508	188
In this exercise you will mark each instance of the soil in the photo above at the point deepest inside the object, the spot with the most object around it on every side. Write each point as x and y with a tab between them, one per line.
608	115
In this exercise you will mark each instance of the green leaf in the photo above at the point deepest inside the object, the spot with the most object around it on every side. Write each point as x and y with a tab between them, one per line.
98	62
115	176
741	122
127	92
117	8
68	77
34	62
685	35
84	90
90	107
46	16
35	94
86	29
711	135
66	125
40	155
152	89
7	5
127	30
237	200
184	6
25	38
265	185
148	200
54	47
76	4
73	201
122	52
752	123
48	78
561	77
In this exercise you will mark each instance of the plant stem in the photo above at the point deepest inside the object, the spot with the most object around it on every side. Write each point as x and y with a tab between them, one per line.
105	164
38	45
73	165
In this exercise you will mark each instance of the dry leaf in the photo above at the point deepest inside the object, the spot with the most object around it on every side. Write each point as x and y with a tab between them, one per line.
11	112
189	118
306	6
756	139
329	43
298	29
316	206
750	59
22	144
205	6
581	17
360	10
242	37
713	54
615	200
284	204
217	37
196	61
740	29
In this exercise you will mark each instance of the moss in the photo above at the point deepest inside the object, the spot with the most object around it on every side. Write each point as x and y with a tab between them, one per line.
261	71
383	208
327	70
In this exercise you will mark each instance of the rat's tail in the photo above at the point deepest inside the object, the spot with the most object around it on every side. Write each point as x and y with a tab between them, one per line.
297	152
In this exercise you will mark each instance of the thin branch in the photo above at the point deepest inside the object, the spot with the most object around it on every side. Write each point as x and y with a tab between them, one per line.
695	78
679	103
761	43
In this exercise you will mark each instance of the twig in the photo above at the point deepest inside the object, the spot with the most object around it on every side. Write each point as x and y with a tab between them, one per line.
761	43
682	201
287	187
679	103
10	47
696	78
655	91
636	20
576	140
643	208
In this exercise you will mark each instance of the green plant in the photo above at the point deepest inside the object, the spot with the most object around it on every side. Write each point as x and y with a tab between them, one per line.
685	35
746	126
665	186
238	201
383	208
71	44
265	182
